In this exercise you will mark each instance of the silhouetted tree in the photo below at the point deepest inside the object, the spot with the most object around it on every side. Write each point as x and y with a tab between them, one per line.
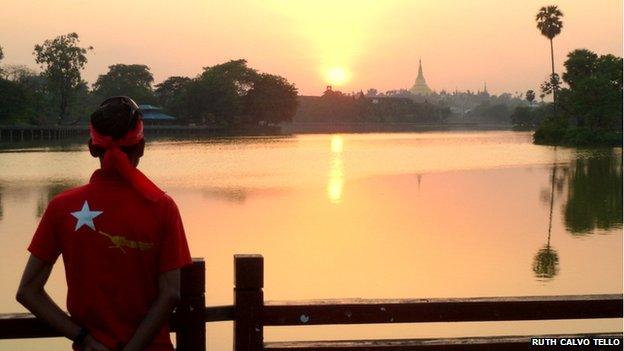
524	116
134	81
168	92
594	96
530	96
62	60
549	24
272	99
550	85
216	95
372	92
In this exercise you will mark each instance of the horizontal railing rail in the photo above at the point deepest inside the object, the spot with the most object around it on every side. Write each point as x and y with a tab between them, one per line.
359	311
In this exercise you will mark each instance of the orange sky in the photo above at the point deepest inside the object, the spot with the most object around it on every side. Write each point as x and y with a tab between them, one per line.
377	43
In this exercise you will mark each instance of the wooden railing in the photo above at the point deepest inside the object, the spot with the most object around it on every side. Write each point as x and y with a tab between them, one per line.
251	313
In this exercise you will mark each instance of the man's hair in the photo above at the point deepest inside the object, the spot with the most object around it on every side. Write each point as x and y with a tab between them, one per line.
114	118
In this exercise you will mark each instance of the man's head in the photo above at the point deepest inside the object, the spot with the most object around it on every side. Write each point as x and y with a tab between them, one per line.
115	117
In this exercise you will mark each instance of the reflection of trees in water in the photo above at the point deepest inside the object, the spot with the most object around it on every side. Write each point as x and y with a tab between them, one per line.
546	261
50	191
557	184
234	195
594	195
594	201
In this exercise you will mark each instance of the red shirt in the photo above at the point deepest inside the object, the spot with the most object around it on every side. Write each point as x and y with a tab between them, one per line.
114	245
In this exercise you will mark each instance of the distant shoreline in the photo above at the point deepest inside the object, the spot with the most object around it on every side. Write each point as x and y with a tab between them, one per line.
36	135
311	127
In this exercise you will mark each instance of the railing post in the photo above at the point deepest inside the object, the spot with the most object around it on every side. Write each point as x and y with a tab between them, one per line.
191	334
248	302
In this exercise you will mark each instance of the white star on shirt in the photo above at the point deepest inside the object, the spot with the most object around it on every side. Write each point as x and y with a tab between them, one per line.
85	216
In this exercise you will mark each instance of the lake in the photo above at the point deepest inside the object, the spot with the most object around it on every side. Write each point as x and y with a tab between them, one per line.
404	215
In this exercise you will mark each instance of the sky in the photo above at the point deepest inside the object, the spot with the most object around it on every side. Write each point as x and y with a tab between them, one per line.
353	45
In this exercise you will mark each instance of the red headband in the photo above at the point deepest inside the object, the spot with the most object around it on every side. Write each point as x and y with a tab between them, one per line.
115	159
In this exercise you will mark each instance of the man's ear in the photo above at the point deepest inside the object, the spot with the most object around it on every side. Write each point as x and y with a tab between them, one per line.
140	148
93	150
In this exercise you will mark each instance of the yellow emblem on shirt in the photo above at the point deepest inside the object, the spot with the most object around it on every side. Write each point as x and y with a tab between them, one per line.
120	242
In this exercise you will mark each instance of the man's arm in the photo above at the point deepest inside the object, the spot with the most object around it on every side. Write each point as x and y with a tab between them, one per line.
32	295
168	297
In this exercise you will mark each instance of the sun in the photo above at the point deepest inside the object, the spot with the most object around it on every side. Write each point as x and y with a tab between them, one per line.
337	76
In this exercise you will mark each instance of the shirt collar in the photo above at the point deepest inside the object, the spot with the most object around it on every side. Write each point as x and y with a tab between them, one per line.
107	176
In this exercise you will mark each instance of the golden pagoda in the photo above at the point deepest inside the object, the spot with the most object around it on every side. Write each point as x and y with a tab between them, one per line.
420	86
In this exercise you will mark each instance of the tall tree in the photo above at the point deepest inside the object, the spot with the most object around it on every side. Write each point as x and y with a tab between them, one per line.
271	100
581	64
594	96
169	94
549	24
62	60
134	81
530	96
216	95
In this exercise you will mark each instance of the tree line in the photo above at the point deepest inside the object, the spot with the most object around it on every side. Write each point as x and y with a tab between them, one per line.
336	107
227	95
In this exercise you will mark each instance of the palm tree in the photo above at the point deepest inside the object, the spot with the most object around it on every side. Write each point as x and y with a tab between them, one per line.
549	23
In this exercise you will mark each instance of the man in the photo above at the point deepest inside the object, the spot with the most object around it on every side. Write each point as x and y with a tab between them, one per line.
122	242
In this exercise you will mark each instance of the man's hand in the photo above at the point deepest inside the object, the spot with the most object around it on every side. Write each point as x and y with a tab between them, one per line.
168	298
90	344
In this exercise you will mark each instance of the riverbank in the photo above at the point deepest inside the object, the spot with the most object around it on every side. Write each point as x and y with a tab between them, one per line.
38	135
46	134
576	137
357	127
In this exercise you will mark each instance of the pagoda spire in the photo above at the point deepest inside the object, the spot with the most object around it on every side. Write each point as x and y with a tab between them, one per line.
420	87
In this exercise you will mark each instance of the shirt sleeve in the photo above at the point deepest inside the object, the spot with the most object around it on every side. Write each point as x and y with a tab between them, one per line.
174	250
45	244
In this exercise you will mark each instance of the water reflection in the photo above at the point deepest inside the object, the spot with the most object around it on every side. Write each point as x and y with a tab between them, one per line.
593	202
335	183
477	228
419	178
546	261
230	195
594	198
50	191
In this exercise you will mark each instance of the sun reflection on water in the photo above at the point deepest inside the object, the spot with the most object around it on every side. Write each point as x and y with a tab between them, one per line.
335	182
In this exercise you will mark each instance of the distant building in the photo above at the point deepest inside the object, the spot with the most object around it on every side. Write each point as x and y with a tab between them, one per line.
420	86
153	115
485	91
